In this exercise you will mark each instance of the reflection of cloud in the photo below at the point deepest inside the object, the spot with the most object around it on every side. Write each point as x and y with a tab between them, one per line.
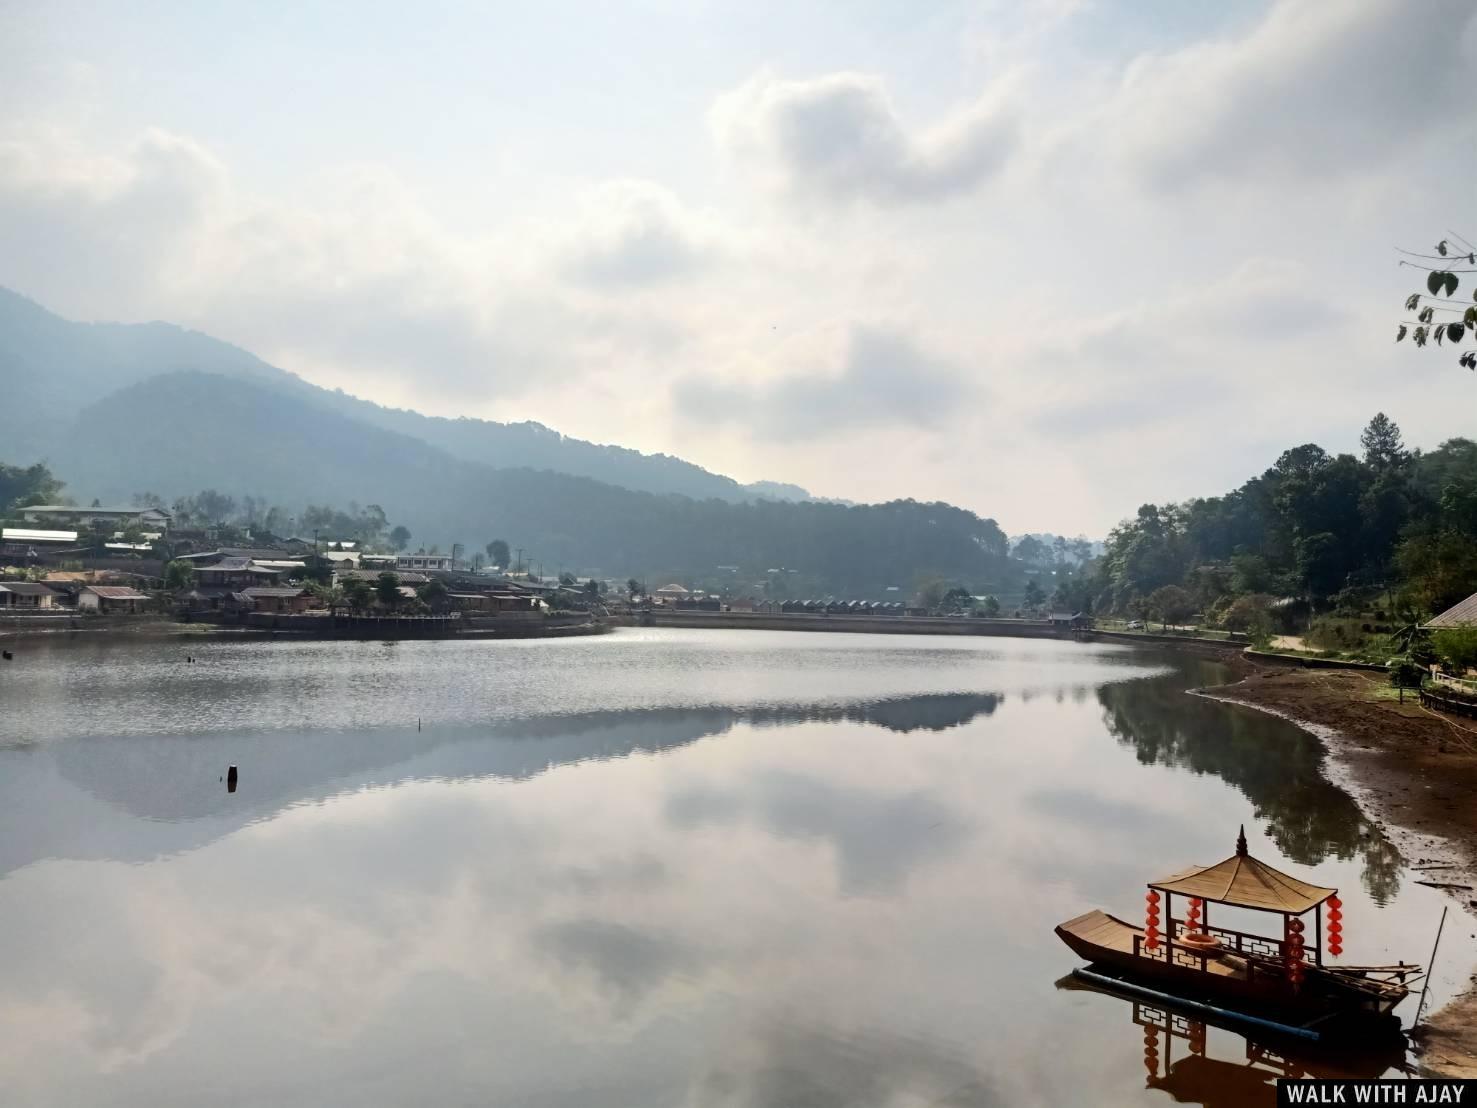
783	1064
625	963
879	838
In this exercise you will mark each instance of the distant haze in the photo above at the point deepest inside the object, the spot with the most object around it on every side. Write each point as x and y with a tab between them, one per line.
1044	260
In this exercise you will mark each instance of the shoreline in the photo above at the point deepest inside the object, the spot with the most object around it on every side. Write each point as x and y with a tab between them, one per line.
1413	773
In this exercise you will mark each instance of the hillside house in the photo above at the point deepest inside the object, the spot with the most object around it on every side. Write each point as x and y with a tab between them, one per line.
423	561
111	599
26	595
277	599
87	519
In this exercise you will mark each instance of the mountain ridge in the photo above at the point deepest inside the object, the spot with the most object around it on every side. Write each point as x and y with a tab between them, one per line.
51	362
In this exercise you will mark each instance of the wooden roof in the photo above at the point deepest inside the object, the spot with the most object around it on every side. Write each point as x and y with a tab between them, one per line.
1245	882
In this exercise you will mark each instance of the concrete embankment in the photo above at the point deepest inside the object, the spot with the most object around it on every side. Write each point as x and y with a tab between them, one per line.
871	625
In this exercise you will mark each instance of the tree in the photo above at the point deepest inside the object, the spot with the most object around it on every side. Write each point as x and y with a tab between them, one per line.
633	587
387	589
990	606
498	553
955	598
1035	595
399	538
1381	442
1032	551
1457	319
179	575
22	486
592	587
434	592
1171	604
358	595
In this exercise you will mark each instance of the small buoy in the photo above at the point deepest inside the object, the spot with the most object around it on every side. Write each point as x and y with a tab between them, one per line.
7	655
230	779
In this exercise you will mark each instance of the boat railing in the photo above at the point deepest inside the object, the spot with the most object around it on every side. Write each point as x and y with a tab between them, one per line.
1240	942
1244	943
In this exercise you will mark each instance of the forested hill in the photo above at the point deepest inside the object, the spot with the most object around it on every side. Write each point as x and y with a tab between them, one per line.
1393	528
52	366
177	433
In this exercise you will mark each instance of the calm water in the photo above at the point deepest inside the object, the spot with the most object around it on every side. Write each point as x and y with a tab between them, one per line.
653	868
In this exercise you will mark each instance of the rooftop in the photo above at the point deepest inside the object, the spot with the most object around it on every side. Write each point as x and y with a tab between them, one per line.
115	592
26	588
1245	882
1463	614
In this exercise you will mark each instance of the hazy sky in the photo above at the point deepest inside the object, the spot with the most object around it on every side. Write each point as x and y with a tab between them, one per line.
1045	260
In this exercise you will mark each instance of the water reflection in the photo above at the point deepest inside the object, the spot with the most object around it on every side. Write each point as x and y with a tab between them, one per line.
1201	1061
172	779
1280	771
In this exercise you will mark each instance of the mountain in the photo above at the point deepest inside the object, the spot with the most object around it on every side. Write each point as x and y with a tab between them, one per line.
179	432
52	366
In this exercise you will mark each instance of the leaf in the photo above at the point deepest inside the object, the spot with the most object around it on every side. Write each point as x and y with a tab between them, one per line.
1400	334
1419	336
1441	248
1451	284
1427	314
1470	317
1455	332
1437	333
1413	302
1434	281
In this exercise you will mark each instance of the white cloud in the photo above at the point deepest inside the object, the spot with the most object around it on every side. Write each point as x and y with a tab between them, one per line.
839	138
634	234
884	379
1313	90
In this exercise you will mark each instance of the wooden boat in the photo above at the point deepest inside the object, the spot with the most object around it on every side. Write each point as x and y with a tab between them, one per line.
1283	977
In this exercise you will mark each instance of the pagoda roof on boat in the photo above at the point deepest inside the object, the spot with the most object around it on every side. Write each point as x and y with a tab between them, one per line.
1246	882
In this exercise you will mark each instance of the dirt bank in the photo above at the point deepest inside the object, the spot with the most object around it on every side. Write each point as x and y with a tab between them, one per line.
1415	773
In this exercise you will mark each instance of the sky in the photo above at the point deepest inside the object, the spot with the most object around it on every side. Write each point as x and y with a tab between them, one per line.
1045	259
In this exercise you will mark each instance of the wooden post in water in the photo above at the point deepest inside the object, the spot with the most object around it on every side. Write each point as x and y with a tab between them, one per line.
231	779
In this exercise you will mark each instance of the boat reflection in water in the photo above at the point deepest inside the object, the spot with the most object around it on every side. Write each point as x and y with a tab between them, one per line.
1199	1060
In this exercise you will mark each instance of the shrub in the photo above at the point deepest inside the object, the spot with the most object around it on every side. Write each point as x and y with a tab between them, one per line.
1457	646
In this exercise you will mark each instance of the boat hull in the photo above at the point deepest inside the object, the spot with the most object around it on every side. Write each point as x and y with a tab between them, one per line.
1109	943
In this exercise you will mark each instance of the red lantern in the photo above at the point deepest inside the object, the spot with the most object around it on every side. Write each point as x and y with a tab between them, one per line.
1152	897
1334	902
1295	926
1335	947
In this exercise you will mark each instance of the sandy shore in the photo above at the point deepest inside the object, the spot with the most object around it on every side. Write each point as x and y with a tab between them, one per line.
1415	774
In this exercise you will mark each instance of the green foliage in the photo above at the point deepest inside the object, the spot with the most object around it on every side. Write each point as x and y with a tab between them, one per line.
179	575
1171	604
990	607
1405	673
358	595
432	593
399	538
1456	646
387	590
499	554
22	486
1035	595
1441	288
633	587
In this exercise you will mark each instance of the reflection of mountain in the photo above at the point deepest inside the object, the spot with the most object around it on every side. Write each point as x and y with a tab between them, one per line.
166	781
1277	766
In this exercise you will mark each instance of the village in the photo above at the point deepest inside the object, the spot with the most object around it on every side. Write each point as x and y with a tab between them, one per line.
64	564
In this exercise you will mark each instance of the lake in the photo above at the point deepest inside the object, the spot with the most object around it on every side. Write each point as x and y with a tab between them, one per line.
654	868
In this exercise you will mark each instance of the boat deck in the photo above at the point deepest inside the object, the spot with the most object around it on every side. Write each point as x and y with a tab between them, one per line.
1099	929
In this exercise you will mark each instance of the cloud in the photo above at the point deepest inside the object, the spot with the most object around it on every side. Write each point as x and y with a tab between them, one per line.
884	380
838	138
1312	90
636	234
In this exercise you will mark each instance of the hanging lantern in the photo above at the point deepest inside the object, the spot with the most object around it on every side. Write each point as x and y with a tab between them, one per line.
1197	1037
1151	1051
1335	926
1192	915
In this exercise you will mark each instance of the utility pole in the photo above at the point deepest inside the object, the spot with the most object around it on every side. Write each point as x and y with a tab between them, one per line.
518	565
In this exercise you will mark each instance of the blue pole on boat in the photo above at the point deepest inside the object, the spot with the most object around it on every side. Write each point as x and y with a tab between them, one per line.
1196	1006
